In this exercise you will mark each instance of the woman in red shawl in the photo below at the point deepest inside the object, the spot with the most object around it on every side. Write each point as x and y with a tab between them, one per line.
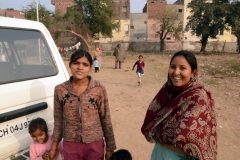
181	118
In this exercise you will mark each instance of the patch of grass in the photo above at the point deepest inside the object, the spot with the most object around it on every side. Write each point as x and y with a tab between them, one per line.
108	53
211	82
230	68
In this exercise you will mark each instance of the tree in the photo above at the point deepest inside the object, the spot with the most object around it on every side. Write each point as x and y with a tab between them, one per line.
233	20
206	19
45	16
88	18
169	24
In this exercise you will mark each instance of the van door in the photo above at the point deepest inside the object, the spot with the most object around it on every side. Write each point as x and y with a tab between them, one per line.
29	70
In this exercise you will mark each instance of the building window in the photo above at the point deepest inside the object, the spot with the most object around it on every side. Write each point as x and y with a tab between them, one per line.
168	38
145	22
132	27
232	31
124	9
96	36
221	31
126	29
179	10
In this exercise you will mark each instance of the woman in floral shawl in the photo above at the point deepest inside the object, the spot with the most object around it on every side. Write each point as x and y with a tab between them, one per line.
181	118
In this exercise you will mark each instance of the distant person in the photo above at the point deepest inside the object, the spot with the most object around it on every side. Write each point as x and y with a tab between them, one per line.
100	50
121	154
119	56
140	68
181	119
98	56
82	115
96	65
42	141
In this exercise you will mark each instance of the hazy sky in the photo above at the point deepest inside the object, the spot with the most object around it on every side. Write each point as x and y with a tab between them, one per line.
136	5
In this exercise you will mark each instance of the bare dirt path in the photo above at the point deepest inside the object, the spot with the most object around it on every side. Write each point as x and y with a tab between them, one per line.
129	102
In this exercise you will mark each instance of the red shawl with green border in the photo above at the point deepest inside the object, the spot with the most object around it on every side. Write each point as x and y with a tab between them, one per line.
183	117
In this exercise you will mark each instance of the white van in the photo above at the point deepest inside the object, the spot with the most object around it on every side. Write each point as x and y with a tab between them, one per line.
30	68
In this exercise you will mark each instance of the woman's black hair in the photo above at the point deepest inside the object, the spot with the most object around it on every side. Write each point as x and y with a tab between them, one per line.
79	54
189	56
121	154
140	56
37	123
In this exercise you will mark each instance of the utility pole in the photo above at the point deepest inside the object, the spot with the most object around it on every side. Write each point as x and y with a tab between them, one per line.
37	10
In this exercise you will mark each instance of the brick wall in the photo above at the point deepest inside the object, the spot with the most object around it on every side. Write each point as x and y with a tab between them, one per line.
154	7
12	13
62	5
122	9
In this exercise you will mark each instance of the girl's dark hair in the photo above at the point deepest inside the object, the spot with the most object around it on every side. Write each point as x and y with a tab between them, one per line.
79	54
140	56
121	154
189	56
37	123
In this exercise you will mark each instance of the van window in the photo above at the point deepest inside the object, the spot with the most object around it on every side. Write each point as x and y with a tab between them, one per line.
24	54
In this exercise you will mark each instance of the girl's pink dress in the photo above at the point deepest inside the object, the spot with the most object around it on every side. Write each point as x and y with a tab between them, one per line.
37	150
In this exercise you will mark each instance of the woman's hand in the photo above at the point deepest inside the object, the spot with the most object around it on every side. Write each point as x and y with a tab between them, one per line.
108	154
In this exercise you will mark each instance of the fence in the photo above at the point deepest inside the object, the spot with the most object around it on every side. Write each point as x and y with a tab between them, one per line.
154	47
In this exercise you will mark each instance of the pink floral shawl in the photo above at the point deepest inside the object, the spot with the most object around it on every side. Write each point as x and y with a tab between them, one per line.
183	117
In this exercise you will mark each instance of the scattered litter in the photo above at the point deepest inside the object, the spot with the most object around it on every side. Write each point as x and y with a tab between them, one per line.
220	127
227	93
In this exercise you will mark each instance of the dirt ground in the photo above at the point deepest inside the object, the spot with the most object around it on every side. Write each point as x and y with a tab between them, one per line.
129	102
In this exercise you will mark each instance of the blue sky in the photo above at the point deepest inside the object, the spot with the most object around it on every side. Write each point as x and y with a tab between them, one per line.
136	5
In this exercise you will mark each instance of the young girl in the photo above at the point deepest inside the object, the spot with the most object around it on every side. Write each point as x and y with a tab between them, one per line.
81	114
96	65
140	66
42	141
98	56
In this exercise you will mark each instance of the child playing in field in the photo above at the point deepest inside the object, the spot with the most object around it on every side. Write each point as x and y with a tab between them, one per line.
96	65
42	141
121	154
140	66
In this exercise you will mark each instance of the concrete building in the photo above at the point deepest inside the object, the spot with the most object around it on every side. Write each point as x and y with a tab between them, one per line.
122	9
138	28
122	33
62	5
10	12
153	8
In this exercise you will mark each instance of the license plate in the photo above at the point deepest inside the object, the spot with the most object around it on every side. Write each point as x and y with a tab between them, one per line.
14	126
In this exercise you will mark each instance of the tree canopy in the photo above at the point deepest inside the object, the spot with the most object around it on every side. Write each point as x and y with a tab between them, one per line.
88	18
85	19
233	20
206	19
168	19
45	15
